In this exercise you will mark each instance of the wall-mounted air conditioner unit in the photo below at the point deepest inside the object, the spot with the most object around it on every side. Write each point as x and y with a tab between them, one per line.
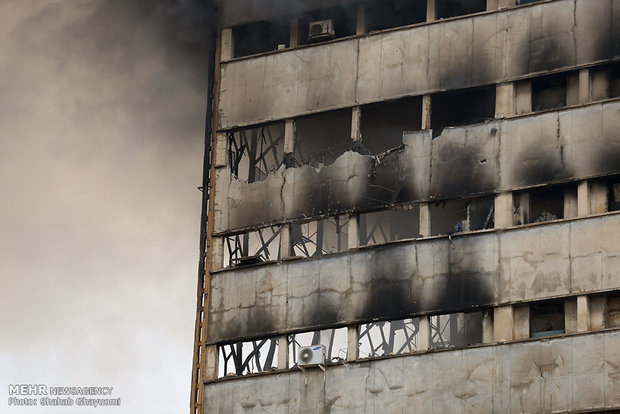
320	30
311	355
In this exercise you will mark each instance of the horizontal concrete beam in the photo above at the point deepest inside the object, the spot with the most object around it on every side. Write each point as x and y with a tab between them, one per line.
454	54
496	156
573	374
403	279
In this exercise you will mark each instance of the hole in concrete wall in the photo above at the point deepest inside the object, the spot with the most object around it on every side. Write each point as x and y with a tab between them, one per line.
316	238
613	312
383	14
252	247
253	153
456	330
541	204
452	8
388	337
259	37
388	225
549	92
605	81
343	22
546	319
247	357
383	124
455	216
322	138
334	340
461	108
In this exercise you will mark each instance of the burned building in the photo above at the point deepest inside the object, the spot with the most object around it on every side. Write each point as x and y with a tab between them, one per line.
411	206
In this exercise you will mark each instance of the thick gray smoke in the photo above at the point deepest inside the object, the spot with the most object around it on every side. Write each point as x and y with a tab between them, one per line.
102	123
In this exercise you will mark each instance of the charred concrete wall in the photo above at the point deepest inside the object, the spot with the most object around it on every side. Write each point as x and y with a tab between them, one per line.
459	53
407	278
578	373
495	156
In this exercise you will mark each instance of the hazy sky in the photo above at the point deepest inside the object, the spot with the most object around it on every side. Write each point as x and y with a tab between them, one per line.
101	139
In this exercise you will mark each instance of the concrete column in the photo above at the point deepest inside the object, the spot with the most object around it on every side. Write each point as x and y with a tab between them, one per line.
504	210
424	334
570	202
598	86
283	352
211	361
360	27
431	10
597	197
583	313
228	46
426	112
504	100
523	212
285	241
523	97
502	4
425	219
572	89
289	136
583	199
352	343
492	5
487	327
502	323
521	322
356	127
294	35
570	315
217	253
598	312
584	86
353	228
221	149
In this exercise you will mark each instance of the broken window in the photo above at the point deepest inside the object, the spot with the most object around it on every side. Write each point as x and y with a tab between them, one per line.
316	238
546	319
342	22
455	216
252	247
452	8
383	14
388	337
388	225
605	81
256	152
259	37
456	330
242	358
322	138
334	340
383	124
461	108
549	92
541	204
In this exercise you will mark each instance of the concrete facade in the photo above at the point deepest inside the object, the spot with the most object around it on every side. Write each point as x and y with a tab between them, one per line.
436	202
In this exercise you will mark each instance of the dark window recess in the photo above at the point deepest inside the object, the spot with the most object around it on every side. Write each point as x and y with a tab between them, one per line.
546	319
549	92
255	152
456	330
384	14
259	37
343	22
252	248
322	138
383	124
539	205
452	8
248	357
605	81
461	108
334	340
316	238
613	203
388	225
527	1
388	337
455	216
613	312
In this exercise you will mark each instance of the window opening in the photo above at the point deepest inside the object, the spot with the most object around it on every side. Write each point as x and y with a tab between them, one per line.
252	247
546	319
605	81
255	152
613	312
549	92
315	238
343	21
334	340
259	37
455	216
384	14
388	337
540	205
383	123
388	225
453	8
456	330
250	357
322	138
462	107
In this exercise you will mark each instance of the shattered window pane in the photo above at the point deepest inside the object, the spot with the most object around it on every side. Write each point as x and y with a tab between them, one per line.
456	329
248	357
389	225
256	152
316	238
334	340
252	247
322	138
388	337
